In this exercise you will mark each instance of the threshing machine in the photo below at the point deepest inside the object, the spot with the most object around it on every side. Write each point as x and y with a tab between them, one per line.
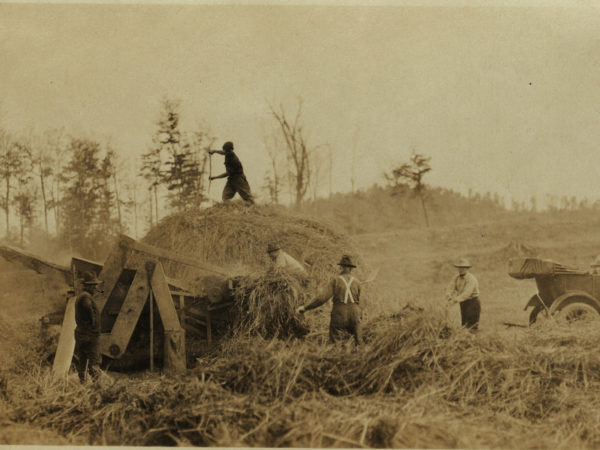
148	317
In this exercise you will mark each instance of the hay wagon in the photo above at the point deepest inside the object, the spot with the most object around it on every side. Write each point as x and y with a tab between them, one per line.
565	293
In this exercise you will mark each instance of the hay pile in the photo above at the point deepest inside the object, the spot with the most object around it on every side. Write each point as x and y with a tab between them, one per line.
233	234
265	304
414	384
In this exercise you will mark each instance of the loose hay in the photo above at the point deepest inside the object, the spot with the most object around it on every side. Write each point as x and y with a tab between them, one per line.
265	304
407	387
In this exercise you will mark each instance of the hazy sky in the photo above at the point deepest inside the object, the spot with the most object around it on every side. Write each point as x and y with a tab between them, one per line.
503	99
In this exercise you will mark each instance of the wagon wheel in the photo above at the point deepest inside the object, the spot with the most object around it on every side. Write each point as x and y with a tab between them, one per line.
577	312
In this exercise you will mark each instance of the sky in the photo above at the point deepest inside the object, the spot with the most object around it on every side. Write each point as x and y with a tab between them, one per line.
503	99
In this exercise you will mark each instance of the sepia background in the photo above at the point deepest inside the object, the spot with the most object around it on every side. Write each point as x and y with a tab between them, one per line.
406	134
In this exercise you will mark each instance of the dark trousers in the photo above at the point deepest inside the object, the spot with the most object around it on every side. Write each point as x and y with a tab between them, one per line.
469	313
345	318
87	351
237	183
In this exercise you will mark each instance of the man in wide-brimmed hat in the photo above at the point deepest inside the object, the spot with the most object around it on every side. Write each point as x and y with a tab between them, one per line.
344	290
234	172
283	260
464	290
87	332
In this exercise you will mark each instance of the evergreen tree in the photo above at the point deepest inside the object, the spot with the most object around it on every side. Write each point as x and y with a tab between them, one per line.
165	142
87	201
184	178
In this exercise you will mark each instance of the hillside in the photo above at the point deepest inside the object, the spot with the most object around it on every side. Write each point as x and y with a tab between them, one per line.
376	210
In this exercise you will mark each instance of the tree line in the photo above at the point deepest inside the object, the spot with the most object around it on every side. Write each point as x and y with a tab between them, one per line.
81	192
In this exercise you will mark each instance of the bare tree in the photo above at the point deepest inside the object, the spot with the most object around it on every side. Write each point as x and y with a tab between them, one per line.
25	196
273	174
58	148
330	168
111	168
131	186
10	168
46	148
411	175
298	153
318	172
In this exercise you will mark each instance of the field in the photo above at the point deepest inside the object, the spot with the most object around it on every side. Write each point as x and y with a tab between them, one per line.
419	381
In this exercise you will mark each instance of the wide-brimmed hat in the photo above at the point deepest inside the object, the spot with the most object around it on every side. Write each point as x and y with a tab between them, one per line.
273	246
346	261
90	278
463	262
596	262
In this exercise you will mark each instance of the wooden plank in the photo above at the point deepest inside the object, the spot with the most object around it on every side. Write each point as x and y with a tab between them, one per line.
182	310
200	317
196	322
168	255
111	272
164	301
178	293
37	264
66	343
129	315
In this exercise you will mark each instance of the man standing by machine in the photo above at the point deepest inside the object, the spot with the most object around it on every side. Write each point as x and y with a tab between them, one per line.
344	290
87	332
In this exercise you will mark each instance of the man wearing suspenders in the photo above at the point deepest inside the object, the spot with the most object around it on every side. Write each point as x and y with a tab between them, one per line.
344	290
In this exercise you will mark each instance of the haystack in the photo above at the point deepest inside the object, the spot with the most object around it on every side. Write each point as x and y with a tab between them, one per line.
234	237
233	234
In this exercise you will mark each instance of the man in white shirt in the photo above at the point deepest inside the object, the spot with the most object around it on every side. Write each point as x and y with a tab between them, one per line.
283	260
464	290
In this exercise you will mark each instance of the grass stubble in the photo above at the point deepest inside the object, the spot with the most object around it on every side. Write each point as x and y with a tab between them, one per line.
416	382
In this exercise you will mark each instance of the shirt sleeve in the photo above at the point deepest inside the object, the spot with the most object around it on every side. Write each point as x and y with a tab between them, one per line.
323	296
467	292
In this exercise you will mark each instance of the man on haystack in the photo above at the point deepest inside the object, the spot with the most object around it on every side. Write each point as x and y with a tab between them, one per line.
283	260
464	290
344	290
87	332
236	180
